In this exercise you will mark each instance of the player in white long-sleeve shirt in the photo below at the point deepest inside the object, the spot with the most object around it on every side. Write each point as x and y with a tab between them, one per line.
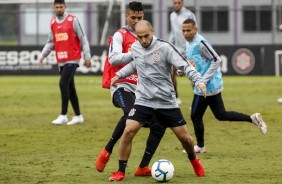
177	17
153	60
179	14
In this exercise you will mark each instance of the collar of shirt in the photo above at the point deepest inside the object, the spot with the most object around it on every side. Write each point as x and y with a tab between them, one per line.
130	30
183	9
193	38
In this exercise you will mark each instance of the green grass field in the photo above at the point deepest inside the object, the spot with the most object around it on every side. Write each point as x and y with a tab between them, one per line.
32	150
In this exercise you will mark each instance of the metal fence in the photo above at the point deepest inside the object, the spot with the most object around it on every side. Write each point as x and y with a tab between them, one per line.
230	22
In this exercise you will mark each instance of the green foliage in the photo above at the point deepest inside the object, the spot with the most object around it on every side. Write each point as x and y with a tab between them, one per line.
32	150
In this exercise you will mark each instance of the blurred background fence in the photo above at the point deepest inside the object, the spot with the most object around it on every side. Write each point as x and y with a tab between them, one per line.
227	22
244	32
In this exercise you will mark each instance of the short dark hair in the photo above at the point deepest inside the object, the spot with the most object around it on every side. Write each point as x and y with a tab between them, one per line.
59	2
189	21
134	6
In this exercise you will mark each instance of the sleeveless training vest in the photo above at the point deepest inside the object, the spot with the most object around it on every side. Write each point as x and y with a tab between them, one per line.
110	71
67	45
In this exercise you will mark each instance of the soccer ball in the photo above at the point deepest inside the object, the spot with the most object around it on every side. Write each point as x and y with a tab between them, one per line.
162	170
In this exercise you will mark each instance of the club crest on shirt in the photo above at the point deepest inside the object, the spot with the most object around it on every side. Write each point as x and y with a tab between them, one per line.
123	30
69	18
132	112
156	57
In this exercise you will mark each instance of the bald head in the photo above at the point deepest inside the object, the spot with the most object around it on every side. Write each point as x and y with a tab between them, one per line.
144	31
143	24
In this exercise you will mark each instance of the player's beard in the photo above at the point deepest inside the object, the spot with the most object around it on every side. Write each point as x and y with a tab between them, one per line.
59	14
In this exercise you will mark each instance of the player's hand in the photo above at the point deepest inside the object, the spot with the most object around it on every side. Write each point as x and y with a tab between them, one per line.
87	63
113	80
41	61
280	27
192	63
202	87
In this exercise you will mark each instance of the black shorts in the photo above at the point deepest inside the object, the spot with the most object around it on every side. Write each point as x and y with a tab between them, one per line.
124	99
166	117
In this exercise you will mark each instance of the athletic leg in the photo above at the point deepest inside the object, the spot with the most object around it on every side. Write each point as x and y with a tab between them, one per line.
136	117
125	101
131	129
73	94
186	140
155	136
67	72
173	118
199	106
187	143
217	106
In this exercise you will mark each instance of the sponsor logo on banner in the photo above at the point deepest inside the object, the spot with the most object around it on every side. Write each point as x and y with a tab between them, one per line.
25	60
243	61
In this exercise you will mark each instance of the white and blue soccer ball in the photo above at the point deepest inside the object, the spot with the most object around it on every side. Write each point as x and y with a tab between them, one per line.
162	170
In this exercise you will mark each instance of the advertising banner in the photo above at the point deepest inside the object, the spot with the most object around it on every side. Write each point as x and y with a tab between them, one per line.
24	61
236	60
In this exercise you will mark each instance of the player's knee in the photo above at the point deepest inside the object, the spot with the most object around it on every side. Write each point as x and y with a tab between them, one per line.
63	85
129	132
195	118
220	116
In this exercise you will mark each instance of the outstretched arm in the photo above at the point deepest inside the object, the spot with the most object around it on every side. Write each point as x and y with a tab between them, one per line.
126	71
181	63
209	53
116	56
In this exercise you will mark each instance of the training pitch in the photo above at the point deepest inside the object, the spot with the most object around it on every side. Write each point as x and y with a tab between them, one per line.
32	150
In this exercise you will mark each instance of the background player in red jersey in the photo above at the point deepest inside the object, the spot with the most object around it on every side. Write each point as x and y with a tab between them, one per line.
67	38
